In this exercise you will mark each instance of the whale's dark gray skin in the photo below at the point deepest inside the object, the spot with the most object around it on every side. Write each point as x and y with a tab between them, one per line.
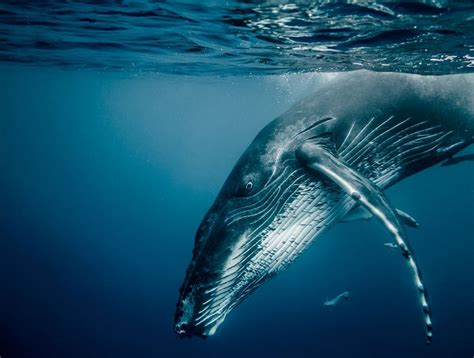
328	159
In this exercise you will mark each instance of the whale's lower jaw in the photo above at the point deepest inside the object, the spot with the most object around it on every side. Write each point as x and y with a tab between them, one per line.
309	208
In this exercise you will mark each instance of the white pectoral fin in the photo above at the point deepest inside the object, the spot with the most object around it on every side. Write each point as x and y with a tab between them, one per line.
359	188
368	195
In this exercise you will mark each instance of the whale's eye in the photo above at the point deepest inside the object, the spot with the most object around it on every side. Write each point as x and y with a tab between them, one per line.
248	187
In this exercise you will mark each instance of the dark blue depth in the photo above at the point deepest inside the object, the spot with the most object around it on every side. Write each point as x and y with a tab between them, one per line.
104	179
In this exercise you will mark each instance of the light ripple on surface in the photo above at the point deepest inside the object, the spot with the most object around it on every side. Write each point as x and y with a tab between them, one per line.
240	37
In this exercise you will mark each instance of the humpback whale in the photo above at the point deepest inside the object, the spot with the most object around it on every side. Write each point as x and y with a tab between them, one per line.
326	160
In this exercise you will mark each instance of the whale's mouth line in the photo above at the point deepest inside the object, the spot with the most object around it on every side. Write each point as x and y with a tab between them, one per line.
216	297
264	252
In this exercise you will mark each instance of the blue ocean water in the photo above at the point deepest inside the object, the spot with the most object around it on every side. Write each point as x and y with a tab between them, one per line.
108	168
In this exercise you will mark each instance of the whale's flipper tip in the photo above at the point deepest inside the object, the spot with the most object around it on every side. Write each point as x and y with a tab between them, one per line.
429	337
367	194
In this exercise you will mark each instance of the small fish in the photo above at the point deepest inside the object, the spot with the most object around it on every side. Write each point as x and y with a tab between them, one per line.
391	245
335	300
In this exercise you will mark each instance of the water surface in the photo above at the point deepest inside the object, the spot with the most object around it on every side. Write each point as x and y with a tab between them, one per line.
240	37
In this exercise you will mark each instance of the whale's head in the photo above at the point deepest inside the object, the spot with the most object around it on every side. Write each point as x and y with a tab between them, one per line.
267	212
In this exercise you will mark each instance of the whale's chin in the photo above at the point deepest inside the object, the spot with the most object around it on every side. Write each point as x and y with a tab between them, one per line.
191	328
